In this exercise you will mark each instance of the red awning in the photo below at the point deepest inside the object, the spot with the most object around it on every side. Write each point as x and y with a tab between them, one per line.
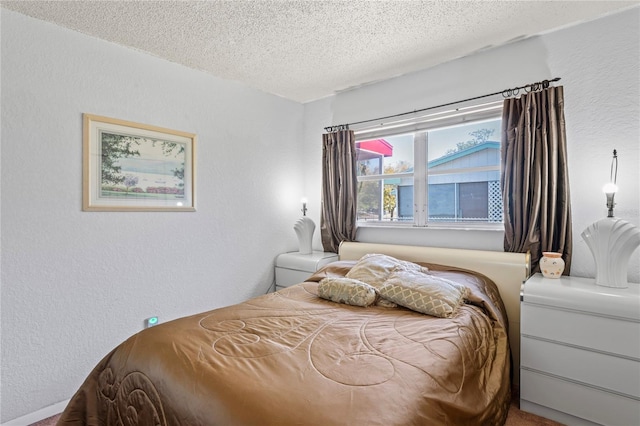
376	147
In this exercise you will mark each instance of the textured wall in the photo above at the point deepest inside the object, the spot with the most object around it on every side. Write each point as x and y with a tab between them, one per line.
74	284
599	65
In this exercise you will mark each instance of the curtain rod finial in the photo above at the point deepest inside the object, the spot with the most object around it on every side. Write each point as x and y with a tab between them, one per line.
337	128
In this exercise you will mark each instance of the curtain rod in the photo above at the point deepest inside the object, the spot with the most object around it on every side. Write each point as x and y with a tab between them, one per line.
544	84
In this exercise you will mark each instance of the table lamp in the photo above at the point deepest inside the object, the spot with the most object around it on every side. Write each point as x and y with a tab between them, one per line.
304	228
612	240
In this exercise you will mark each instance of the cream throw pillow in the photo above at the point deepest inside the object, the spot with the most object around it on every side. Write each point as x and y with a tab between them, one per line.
374	269
348	291
424	293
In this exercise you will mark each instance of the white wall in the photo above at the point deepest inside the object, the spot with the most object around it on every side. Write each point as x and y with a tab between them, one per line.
75	284
599	65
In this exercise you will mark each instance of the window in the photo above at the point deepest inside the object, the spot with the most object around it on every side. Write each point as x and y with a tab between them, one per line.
385	178
445	171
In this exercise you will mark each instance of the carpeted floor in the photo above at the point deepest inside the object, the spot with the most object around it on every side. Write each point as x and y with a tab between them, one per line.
516	417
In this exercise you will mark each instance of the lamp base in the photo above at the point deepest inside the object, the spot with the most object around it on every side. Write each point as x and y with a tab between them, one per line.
612	241
304	228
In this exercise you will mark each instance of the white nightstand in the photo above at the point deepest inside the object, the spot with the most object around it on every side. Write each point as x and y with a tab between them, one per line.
293	268
580	351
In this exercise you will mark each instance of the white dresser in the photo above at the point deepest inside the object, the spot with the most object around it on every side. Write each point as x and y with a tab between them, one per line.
580	351
293	268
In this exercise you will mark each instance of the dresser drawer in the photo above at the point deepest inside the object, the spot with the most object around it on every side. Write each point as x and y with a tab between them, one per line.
596	369
580	401
601	333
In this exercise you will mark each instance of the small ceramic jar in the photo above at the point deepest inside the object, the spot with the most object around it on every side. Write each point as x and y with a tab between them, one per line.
551	264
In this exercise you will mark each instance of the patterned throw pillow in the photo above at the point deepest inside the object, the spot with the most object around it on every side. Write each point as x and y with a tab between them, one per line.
348	291
424	293
374	269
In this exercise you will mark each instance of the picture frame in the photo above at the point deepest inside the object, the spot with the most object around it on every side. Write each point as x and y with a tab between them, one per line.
130	166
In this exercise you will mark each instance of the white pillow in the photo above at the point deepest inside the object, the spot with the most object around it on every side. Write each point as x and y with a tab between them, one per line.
374	269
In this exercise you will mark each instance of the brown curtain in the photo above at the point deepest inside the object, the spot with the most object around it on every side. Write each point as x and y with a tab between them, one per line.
339	190
535	178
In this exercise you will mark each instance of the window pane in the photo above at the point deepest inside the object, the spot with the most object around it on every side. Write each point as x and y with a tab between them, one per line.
390	202
447	142
463	169
442	202
405	202
369	200
385	156
474	203
379	199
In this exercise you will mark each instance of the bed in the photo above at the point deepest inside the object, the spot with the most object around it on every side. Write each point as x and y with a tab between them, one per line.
295	358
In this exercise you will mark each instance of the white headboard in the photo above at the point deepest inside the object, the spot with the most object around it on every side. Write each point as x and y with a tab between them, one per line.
508	270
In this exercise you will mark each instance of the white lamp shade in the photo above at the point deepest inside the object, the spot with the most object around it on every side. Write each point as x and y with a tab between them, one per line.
612	241
304	228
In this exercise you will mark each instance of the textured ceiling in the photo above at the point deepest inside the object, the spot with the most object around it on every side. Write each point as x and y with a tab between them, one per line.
305	50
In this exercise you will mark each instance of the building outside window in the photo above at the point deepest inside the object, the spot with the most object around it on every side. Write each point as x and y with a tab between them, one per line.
443	173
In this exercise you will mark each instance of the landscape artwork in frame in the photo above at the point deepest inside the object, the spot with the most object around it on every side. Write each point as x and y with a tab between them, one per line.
136	167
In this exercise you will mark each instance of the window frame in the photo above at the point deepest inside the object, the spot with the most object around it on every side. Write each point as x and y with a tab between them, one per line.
419	127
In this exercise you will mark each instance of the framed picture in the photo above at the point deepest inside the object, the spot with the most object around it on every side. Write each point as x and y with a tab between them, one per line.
136	167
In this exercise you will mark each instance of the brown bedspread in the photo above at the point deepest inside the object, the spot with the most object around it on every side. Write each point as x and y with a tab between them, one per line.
291	358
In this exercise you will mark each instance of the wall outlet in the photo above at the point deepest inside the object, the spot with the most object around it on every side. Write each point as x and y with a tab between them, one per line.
150	322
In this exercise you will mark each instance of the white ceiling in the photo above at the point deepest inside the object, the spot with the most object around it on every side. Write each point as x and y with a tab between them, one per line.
306	50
